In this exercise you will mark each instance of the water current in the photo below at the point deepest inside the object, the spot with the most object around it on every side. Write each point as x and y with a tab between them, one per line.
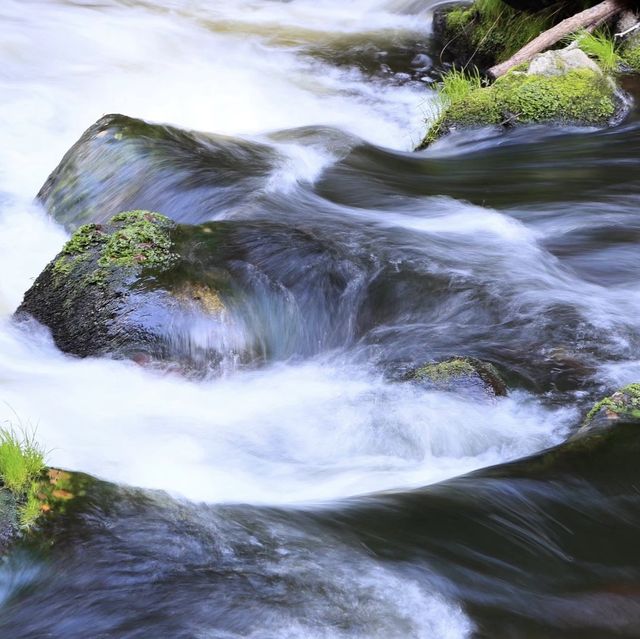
315	496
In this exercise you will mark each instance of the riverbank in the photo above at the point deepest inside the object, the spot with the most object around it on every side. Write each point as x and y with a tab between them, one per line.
569	79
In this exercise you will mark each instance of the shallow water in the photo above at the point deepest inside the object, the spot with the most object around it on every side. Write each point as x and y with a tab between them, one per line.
519	249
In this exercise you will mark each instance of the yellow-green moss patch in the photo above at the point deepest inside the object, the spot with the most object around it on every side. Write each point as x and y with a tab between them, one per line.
580	96
623	404
142	239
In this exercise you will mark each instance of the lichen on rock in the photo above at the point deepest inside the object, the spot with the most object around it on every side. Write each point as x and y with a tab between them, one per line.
467	375
621	407
142	239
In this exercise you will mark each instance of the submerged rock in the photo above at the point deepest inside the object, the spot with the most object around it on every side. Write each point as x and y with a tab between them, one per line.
56	493
621	407
122	164
51	493
465	375
560	87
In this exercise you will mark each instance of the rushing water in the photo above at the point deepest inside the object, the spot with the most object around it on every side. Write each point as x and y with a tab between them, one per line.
520	249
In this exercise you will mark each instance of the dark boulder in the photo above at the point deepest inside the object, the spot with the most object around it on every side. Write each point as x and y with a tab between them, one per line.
115	289
144	288
122	164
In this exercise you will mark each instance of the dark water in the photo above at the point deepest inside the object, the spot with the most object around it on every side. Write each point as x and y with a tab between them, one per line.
325	498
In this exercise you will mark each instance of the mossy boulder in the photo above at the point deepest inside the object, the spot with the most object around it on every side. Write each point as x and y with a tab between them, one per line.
201	296
115	289
554	88
122	164
464	375
621	407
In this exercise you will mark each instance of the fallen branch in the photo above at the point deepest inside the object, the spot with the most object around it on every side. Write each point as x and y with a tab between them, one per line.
628	31
546	39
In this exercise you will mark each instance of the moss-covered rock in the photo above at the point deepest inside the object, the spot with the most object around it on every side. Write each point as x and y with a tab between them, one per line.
122	164
117	289
465	375
631	55
558	91
621	407
198	297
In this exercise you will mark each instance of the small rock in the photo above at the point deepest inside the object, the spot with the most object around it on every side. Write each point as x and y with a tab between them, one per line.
621	407
461	375
560	62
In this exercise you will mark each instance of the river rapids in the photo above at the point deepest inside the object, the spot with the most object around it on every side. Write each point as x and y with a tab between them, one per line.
315	496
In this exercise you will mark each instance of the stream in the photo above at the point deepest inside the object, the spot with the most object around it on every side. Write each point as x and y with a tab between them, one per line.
315	496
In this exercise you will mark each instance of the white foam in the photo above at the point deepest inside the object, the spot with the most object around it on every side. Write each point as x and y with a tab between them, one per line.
65	65
28	241
285	434
290	433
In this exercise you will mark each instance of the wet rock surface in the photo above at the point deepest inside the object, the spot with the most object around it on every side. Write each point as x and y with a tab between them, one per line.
462	375
122	163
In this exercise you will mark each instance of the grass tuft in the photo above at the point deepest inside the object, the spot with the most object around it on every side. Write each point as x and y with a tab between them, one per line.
30	510
456	85
21	464
601	47
21	461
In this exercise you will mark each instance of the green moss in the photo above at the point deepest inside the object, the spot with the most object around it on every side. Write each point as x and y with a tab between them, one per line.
445	371
580	96
625	402
493	30
459	18
465	103
84	238
478	108
132	239
143	239
78	247
631	54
